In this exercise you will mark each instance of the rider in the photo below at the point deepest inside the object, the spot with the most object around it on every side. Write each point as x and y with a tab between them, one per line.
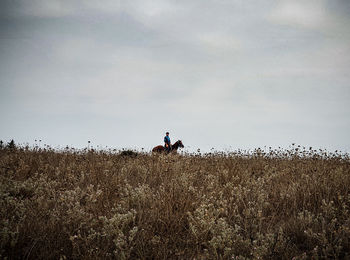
167	142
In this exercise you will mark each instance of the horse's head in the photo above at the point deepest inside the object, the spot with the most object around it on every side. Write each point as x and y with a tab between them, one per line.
180	144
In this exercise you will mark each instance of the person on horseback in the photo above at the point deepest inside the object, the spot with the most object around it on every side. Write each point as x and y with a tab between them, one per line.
167	142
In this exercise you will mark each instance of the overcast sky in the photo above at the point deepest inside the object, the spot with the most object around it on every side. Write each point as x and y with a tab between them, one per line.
226	74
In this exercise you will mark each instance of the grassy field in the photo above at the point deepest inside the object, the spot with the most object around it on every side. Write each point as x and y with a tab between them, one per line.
103	205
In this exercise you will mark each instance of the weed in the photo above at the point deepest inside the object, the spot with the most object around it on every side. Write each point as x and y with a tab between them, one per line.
90	204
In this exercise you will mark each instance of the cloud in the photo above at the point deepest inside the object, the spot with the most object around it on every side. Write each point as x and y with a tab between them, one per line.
151	9
63	8
310	14
39	8
252	68
218	42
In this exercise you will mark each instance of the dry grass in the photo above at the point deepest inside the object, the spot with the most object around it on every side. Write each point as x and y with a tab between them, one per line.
100	205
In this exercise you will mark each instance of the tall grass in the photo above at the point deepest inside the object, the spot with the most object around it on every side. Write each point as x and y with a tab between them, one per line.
102	205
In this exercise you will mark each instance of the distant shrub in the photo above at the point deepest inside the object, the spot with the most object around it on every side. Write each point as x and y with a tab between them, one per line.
128	153
11	144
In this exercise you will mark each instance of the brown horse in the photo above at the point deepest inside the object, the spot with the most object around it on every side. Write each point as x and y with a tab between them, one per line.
174	147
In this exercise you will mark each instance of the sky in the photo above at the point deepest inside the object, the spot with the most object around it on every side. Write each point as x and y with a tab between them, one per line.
222	74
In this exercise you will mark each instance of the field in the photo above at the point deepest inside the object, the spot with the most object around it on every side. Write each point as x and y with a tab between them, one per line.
73	204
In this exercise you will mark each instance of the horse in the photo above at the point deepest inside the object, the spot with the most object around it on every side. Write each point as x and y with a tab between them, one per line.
174	147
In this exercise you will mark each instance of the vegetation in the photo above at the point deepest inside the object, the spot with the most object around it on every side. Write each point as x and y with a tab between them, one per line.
103	205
